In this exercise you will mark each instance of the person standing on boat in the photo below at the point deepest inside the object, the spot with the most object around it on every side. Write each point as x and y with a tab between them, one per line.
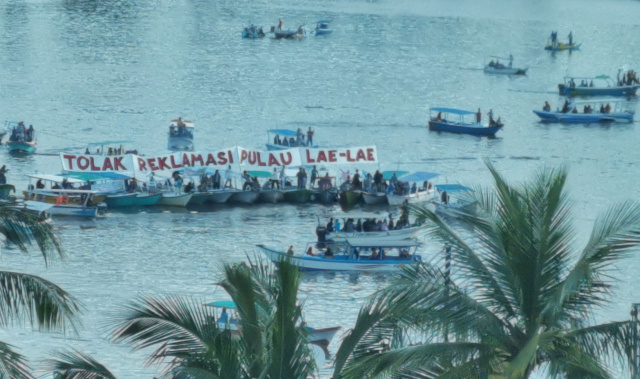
478	117
570	38
310	137
216	179
356	184
304	178
274	182
3	178
510	60
330	228
280	24
228	178
283	178
490	114
314	176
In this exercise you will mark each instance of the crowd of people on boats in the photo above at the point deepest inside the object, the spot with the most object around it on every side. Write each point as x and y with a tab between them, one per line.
587	109
180	129
254	31
20	133
301	140
583	83
629	78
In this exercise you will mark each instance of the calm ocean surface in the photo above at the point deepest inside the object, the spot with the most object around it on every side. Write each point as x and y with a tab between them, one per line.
86	71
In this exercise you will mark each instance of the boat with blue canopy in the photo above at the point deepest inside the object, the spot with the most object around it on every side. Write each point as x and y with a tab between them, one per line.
322	27
454	200
414	188
355	254
231	320
460	121
601	85
121	189
588	112
282	139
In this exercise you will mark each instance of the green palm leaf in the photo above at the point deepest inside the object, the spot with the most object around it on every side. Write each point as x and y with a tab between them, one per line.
23	229
12	364
77	365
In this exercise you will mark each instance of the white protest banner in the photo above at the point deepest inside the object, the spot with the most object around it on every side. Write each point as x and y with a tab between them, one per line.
260	159
97	163
340	155
219	158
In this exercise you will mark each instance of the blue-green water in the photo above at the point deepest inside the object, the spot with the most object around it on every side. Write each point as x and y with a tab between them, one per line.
86	71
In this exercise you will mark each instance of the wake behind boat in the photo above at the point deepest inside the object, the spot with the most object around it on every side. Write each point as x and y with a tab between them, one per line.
460	121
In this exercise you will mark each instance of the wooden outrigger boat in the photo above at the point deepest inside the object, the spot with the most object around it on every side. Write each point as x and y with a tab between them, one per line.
561	46
601	85
356	254
589	112
440	121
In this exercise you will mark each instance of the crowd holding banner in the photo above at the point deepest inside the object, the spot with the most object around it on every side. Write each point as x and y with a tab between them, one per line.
244	158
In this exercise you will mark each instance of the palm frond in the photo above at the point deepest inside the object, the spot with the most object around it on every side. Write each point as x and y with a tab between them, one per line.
76	365
175	326
41	302
13	364
23	229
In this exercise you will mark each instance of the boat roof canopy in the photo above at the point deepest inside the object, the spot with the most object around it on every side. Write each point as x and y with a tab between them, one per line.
419	176
54	178
387	175
91	176
604	77
368	242
283	132
222	304
452	111
260	174
453	188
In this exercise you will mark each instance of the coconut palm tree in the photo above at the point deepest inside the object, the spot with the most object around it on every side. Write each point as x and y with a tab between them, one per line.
76	365
521	297
187	338
27	298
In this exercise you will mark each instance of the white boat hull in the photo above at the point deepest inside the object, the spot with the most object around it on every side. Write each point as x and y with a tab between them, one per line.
244	197
371	199
418	197
175	200
322	264
220	196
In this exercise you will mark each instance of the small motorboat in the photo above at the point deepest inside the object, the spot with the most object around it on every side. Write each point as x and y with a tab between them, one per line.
495	67
356	254
322	28
282	139
588	112
454	200
404	190
374	198
345	228
445	121
181	135
601	85
288	34
325	196
22	139
62	206
350	198
252	32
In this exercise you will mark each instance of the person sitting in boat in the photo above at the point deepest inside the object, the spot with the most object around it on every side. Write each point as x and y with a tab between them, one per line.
414	188
330	228
56	186
478	119
404	253
189	187
575	110
492	63
384	227
292	142
499	122
444	197
375	254
29	133
348	226
310	251
328	253
39	184
566	107
607	108
356	184
290	250
358	226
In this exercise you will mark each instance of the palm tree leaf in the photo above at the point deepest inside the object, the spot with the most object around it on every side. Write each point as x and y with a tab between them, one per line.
13	364
176	326
77	365
23	229
44	304
185	372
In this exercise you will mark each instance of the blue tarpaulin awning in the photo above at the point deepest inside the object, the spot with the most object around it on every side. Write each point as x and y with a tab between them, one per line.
418	176
222	304
284	132
451	111
453	188
90	176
